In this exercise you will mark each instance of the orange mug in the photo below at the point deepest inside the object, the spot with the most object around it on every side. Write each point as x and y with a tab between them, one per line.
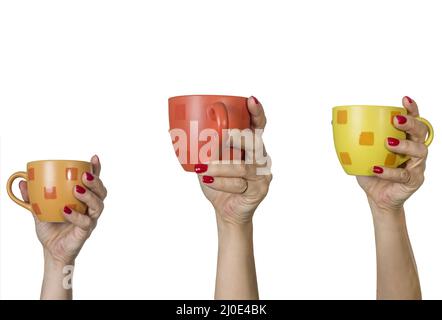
50	187
199	120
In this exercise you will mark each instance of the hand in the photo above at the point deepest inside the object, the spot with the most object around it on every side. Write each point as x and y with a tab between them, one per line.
391	187
236	190
63	241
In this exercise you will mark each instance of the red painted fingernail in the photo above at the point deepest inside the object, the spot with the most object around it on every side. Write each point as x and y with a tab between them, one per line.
255	100
89	177
401	119
409	99
208	179
393	142
80	189
200	168
377	169
67	210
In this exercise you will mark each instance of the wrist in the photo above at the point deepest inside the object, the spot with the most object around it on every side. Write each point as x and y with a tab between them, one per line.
54	264
233	220
387	216
57	278
233	230
228	223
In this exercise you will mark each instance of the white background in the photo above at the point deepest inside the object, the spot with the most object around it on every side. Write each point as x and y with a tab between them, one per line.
85	77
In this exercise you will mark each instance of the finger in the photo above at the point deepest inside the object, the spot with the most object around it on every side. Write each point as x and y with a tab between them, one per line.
91	200
249	141
223	170
82	221
96	165
257	115
94	184
229	185
398	175
416	129
407	147
23	185
411	106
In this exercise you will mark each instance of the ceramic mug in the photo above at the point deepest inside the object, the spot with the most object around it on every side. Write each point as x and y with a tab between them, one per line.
360	132
50	187
192	115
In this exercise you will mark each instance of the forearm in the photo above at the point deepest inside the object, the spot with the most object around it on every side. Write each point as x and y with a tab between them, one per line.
397	276
236	274
57	280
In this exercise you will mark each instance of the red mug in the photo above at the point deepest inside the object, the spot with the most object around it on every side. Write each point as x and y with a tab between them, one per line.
195	118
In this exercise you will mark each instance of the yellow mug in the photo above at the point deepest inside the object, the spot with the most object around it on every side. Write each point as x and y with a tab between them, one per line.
50	187
360	132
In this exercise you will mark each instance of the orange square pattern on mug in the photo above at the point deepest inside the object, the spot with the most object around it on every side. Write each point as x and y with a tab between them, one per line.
50	187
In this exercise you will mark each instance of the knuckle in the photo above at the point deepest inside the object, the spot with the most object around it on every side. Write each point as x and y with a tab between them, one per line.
425	152
239	183
404	144
264	189
87	196
242	170
221	183
89	223
411	124
418	181
101	206
423	129
404	176
104	192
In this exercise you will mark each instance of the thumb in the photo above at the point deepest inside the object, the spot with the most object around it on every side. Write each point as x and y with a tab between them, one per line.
257	115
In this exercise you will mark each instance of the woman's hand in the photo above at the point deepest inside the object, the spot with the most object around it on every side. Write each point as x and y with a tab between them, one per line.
391	187
397	275
63	241
236	190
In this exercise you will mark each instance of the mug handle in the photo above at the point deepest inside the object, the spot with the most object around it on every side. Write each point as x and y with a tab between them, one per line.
11	194
219	111
430	130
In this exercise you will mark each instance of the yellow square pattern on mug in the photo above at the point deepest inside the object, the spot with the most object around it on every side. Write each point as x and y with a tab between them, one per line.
360	133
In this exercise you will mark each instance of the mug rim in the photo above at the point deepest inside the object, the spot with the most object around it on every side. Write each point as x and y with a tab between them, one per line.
369	106
52	160
205	95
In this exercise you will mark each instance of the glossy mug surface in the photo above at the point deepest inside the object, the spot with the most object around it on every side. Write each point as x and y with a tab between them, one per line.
50	187
194	113
360	133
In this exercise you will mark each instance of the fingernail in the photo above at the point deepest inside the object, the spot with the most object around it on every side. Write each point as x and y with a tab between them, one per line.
80	189
409	99
200	168
89	176
401	119
208	179
255	100
377	169
392	142
67	210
